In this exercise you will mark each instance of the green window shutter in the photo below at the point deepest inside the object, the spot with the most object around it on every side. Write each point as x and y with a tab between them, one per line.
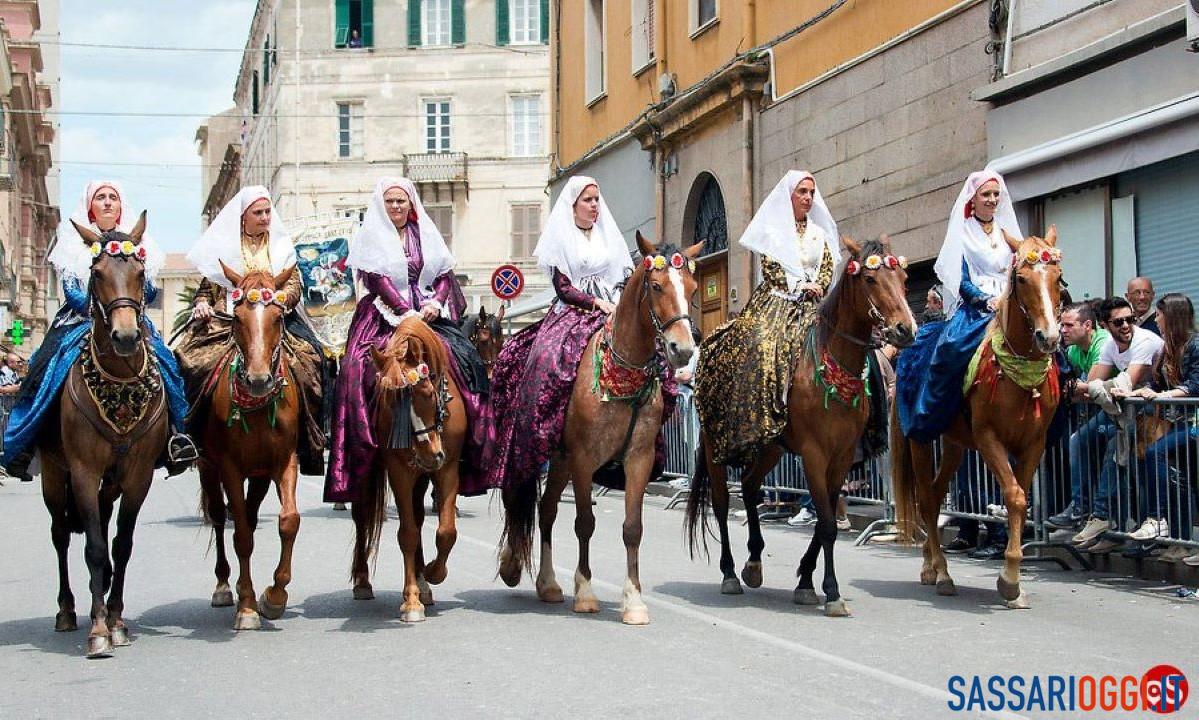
501	22
368	23
341	22
414	23
458	22
545	22
266	62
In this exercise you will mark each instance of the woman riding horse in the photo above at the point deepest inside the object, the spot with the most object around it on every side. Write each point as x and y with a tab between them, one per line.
746	365
402	259
248	238
101	209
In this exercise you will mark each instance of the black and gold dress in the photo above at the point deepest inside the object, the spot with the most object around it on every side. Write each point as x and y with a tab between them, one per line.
746	365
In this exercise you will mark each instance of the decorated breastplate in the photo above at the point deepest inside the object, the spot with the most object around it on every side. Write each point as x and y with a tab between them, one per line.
123	403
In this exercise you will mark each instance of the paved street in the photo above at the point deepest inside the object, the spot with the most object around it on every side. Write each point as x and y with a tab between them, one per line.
488	651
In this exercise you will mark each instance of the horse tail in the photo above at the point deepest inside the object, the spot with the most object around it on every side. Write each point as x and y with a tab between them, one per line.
371	507
520	517
903	482
696	523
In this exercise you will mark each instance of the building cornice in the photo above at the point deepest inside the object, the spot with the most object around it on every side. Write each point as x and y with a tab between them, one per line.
693	108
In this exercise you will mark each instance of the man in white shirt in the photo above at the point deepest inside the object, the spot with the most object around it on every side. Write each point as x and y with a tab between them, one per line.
1131	349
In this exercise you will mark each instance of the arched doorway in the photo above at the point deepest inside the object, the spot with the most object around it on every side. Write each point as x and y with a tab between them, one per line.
706	221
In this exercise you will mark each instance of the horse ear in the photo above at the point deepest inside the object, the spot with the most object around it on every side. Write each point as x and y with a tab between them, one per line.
1014	242
694	251
233	278
138	229
851	245
1051	236
885	240
482	314
500	314
282	278
644	245
89	237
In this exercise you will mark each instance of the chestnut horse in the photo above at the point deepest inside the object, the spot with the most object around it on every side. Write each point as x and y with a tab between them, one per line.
1000	418
486	334
251	432
822	428
421	426
651	320
108	457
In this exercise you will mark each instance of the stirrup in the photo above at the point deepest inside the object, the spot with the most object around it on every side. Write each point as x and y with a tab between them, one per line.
181	450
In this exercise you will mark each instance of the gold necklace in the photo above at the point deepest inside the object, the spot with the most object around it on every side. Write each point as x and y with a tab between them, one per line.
988	226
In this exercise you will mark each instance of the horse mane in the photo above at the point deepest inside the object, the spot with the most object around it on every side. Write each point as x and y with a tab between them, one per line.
257	279
430	349
828	307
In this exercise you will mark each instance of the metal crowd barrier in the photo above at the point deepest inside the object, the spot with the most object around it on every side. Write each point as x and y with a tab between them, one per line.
1119	465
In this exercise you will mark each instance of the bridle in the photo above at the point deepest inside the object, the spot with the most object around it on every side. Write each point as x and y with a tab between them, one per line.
105	310
1028	321
659	326
877	321
276	357
441	406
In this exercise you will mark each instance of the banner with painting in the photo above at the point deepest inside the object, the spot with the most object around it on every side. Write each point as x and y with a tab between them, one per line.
328	290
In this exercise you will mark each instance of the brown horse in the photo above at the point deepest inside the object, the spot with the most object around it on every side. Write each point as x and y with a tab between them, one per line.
486	334
599	432
251	432
822	430
421	425
1000	419
114	411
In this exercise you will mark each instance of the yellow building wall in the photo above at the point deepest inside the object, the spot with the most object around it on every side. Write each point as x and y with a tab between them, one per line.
856	28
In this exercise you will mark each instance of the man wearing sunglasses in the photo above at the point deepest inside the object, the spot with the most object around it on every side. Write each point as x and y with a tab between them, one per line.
1131	351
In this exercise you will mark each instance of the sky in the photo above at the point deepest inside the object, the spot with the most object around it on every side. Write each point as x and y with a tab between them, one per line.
110	80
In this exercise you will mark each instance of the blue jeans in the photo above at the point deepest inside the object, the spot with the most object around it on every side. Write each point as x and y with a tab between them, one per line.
1158	498
1087	446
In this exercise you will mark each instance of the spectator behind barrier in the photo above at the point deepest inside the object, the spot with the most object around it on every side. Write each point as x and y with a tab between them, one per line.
1140	295
1166	502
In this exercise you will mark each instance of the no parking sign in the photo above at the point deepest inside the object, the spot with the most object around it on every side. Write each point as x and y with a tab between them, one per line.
507	282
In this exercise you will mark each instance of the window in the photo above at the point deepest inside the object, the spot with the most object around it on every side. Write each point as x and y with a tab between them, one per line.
593	25
526	228
354	23
349	130
254	93
443	218
437	125
526	125
266	62
436	22
643	33
525	18
704	12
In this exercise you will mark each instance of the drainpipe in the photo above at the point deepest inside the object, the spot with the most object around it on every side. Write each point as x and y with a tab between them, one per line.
295	121
747	170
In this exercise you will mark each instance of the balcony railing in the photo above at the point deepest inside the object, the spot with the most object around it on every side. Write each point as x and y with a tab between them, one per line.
436	167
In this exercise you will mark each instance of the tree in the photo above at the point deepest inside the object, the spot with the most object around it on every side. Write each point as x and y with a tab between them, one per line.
186	296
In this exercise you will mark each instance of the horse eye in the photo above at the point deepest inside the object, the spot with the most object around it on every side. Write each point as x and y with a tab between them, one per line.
657	287
871	280
1021	279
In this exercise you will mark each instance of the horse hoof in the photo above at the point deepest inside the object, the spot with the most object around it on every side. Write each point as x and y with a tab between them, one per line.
412	615
364	592
806	596
635	616
269	610
946	587
66	622
99	646
435	574
836	608
120	637
730	586
509	569
222	598
1007	590
550	594
1020	603
247	620
752	574
586	605
928	577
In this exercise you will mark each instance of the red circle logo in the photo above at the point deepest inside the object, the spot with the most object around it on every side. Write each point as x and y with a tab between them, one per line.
1164	689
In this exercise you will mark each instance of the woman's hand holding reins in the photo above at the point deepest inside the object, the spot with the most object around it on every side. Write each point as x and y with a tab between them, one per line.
810	288
429	313
604	306
202	311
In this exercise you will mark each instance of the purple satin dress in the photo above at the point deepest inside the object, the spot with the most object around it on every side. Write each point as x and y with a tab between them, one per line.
531	383
354	452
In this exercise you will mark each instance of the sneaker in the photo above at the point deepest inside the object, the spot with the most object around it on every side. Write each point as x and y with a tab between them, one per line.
1069	519
999	511
1092	530
1103	546
1192	560
680	483
1141	551
989	552
958	545
1174	553
803	517
1152	528
843	523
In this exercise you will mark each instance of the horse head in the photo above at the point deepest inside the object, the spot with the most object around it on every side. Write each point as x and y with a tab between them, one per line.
486	334
117	287
259	304
879	281
1035	287
412	371
666	278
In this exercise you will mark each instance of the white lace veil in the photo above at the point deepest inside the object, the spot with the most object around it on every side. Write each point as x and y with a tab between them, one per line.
771	232
562	243
965	238
222	240
378	248
72	258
